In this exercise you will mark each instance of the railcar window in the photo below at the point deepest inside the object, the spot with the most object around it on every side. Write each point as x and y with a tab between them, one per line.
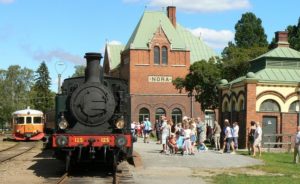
28	120
19	120
37	120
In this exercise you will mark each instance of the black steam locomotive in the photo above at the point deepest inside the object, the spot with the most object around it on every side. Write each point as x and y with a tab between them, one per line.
93	117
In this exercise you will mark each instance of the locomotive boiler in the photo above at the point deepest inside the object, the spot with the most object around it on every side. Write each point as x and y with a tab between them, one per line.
93	118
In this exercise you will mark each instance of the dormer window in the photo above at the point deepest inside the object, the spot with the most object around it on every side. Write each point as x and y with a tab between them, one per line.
164	55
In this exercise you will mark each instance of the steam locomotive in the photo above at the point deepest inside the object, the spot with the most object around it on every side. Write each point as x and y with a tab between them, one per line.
93	118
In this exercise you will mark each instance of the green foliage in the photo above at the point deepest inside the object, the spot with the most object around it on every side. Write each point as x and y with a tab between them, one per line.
278	168
294	35
15	86
250	42
79	71
236	60
249	32
201	81
43	98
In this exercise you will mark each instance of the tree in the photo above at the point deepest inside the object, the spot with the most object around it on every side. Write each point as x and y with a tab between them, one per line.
43	98
294	35
79	71
15	86
201	81
250	42
249	32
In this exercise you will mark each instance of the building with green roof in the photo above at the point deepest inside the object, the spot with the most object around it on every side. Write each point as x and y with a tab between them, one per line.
269	93
158	51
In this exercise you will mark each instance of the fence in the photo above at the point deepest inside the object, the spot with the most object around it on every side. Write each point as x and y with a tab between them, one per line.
279	141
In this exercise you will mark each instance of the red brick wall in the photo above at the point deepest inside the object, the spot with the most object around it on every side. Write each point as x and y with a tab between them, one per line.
168	103
142	65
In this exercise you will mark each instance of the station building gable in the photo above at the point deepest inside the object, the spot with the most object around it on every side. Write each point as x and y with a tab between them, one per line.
158	51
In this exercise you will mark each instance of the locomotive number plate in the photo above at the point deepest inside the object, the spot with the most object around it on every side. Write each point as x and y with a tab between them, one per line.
78	139
104	139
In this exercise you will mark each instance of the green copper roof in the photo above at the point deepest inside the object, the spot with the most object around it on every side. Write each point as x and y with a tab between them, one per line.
180	38
114	55
281	52
148	25
198	49
278	75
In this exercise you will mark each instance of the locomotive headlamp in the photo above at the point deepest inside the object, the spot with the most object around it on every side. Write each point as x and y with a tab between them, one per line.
63	124
120	123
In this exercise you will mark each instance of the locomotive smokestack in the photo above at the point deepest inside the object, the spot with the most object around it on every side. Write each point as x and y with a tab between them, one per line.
92	70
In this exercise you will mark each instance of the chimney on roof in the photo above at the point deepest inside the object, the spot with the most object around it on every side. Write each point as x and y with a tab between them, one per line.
281	38
171	10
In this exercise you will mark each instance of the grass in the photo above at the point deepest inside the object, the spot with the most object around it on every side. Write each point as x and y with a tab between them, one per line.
278	168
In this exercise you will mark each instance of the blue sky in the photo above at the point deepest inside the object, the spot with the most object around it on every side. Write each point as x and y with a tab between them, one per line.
32	31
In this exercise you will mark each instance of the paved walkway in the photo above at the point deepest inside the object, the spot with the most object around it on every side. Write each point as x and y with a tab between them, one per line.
160	168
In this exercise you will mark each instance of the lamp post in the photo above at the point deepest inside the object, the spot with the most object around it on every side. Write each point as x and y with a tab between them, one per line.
60	67
298	107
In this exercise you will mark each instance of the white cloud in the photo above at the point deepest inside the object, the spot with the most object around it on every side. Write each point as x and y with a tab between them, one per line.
199	5
114	42
6	1
216	39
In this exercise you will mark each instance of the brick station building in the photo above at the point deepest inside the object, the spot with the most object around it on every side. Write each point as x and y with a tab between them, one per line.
269	93
158	51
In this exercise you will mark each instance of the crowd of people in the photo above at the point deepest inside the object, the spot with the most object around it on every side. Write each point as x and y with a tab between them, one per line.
191	135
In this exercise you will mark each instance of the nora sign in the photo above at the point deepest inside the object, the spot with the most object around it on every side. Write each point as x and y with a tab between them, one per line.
157	78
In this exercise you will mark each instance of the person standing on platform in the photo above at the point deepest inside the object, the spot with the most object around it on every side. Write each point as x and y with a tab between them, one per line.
158	131
257	139
235	135
297	146
217	133
147	130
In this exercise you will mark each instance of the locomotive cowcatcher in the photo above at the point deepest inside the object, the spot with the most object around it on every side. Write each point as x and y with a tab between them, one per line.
93	118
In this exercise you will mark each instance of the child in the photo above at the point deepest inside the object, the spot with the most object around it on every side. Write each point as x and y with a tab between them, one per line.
172	144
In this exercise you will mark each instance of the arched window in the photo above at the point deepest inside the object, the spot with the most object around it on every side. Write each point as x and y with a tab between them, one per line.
156	55
269	106
159	112
225	107
233	106
294	107
144	113
241	105
164	55
176	115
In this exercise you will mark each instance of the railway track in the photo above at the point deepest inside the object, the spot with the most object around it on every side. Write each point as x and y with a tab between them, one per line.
122	176
16	150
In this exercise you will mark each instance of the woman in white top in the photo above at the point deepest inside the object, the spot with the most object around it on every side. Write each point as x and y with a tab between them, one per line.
235	134
165	133
187	146
257	139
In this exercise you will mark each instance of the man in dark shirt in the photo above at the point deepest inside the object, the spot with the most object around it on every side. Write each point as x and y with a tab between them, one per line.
158	131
